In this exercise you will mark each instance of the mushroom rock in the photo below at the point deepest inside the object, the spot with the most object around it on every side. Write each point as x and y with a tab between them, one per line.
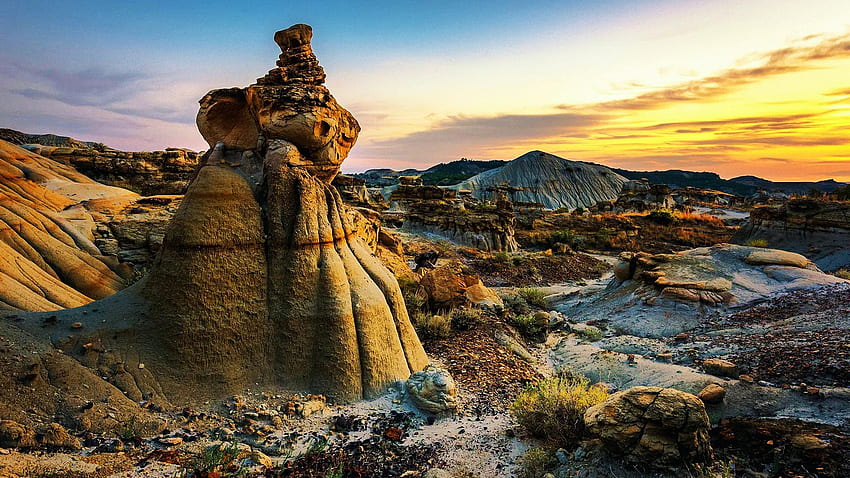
261	278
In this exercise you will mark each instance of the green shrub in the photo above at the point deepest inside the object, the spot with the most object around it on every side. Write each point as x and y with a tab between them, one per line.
502	257
591	334
564	237
553	409
516	304
534	297
431	327
664	218
465	319
757	243
535	462
528	325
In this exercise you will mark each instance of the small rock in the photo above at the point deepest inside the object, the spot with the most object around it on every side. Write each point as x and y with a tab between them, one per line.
277	422
562	456
746	378
712	393
141	366
720	367
437	473
77	325
311	407
432	390
15	435
110	446
393	433
170	441
808	442
57	436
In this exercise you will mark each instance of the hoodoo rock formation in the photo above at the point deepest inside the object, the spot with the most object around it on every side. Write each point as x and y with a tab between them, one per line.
261	277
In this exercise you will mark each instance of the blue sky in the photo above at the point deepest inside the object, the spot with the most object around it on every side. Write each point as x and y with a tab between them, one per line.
429	81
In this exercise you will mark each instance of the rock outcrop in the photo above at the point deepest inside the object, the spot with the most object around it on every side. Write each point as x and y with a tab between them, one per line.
48	259
664	294
437	210
147	173
552	181
261	278
654	426
818	229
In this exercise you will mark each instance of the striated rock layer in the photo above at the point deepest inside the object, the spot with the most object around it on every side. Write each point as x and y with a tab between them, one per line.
818	229
48	260
261	277
549	180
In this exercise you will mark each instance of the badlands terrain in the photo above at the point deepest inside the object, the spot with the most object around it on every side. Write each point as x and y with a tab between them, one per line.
250	311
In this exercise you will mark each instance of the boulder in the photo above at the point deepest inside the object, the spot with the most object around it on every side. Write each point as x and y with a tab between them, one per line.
447	287
720	367
15	435
432	390
55	435
712	393
652	426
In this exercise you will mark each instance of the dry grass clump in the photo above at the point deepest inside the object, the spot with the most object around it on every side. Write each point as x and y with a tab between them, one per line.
465	319
757	243
698	217
553	408
432	327
535	462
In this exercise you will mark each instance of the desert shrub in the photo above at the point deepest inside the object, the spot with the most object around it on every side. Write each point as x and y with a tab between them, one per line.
842	274
664	218
516	305
533	296
564	236
465	319
757	243
431	327
553	409
591	334
528	325
502	257
535	462
842	193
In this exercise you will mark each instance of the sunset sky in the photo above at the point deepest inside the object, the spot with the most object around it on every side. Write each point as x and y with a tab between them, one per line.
736	87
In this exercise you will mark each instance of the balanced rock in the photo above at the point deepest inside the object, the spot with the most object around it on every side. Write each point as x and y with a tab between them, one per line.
261	277
652	426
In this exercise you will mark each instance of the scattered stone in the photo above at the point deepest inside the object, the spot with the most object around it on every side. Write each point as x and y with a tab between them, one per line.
77	325
312	407
712	393
432	390
652	426
746	378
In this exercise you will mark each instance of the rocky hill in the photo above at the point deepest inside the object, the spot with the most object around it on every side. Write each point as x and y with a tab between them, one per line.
549	180
789	187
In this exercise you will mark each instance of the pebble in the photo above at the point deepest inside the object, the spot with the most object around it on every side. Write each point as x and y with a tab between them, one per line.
170	441
77	325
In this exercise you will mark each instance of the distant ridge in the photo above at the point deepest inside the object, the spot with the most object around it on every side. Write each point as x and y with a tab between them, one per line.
550	180
19	138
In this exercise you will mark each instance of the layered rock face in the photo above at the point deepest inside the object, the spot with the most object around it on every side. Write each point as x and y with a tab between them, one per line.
48	260
261	277
439	211
818	229
148	173
549	180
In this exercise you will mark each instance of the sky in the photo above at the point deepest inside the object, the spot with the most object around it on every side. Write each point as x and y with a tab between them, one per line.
754	87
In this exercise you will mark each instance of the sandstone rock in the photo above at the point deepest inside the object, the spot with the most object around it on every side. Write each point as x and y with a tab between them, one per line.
446	287
55	435
15	435
652	426
432	390
712	393
720	367
261	277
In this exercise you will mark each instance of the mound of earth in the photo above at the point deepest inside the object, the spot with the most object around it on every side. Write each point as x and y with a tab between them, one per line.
549	180
48	258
